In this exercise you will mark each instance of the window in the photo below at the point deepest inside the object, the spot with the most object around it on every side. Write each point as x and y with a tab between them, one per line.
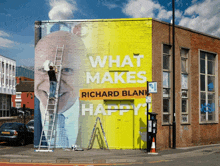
18	104
184	53
6	80
166	84
18	94
3	79
6	68
3	67
208	80
5	105
3	75
13	71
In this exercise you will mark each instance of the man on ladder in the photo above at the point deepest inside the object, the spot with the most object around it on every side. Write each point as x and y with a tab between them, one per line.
48	133
53	82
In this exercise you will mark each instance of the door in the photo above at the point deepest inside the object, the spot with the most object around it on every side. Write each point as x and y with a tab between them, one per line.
119	123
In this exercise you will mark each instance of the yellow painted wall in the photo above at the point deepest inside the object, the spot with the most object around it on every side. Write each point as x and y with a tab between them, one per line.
118	40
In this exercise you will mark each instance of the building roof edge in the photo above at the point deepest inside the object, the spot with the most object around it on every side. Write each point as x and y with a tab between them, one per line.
188	29
8	57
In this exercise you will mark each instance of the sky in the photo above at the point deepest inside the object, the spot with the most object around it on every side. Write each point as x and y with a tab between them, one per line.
17	18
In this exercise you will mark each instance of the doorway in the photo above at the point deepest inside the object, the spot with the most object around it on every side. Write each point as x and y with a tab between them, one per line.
119	123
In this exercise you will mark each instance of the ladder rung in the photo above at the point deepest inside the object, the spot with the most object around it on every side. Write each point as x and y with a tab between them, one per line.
43	146
47	131
43	140
50	115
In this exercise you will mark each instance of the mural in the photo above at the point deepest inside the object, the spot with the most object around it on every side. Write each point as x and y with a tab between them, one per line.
106	64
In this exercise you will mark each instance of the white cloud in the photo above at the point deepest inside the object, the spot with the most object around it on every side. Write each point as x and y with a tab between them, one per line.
169	4
163	14
179	3
2	33
4	42
110	5
194	1
203	16
62	9
148	8
141	8
26	62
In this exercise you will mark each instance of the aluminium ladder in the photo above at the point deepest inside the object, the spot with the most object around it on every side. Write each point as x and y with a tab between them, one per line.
48	129
93	134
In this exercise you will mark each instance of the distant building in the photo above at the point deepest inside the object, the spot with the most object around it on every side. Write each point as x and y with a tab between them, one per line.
20	79
25	72
24	87
7	85
24	94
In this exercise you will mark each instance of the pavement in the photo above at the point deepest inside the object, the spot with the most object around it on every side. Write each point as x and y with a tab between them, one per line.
28	155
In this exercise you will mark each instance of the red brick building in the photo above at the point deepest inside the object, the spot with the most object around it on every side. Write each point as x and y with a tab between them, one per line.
197	79
24	93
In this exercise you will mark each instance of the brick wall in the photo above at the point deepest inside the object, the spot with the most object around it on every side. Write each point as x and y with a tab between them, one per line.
193	133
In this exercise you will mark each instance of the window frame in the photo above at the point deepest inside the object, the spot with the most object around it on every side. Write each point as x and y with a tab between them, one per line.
18	95
16	103
169	97
5	105
216	120
187	69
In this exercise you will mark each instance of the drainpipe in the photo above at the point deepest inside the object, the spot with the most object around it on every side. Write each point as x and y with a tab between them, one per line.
174	114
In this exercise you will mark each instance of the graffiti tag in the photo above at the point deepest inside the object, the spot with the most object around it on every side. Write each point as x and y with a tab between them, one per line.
208	107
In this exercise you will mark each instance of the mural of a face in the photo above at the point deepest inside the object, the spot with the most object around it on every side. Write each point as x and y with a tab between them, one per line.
71	76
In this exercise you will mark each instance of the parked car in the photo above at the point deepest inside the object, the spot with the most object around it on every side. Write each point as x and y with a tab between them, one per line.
30	125
16	133
21	112
31	111
14	111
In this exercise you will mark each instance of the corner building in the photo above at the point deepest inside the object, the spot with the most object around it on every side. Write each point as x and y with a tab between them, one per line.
7	87
120	56
196	85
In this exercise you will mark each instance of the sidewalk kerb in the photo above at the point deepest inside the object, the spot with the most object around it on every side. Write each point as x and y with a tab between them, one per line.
120	160
43	161
99	161
192	147
62	160
20	160
81	161
4	160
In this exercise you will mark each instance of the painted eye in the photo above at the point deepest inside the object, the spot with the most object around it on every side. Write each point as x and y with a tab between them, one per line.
42	70
67	71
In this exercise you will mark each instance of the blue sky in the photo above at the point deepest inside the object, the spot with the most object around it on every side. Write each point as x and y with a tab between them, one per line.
18	17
